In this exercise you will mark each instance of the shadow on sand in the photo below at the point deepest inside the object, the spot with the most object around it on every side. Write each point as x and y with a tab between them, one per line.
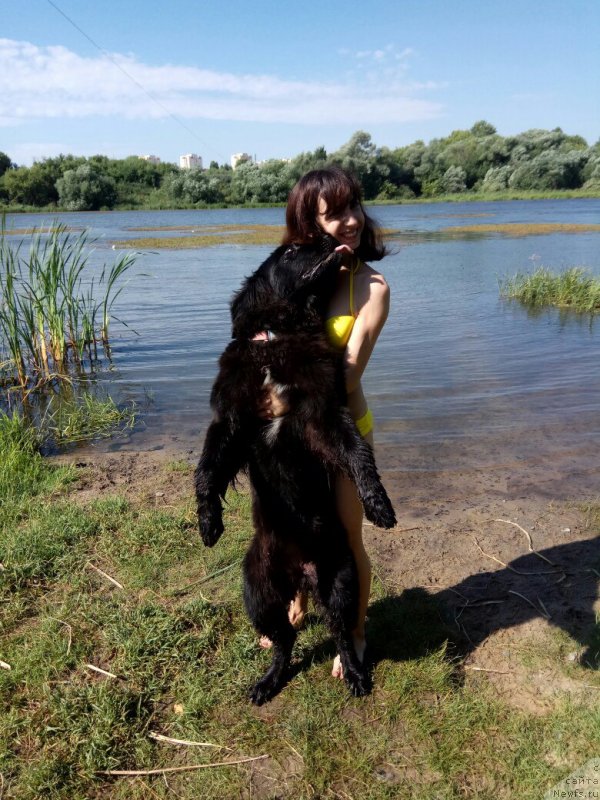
559	584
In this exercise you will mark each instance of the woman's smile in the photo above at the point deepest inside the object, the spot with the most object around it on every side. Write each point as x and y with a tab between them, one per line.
346	226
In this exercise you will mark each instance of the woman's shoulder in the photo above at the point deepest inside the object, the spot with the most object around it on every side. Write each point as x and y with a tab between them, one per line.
373	280
373	296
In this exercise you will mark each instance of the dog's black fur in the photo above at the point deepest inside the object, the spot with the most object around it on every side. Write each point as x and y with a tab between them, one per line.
292	461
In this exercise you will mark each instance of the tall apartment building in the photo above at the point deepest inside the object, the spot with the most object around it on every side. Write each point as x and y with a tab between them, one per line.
190	161
238	158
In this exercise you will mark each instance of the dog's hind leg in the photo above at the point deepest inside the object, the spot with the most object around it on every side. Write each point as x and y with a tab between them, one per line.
276	676
274	623
267	603
338	592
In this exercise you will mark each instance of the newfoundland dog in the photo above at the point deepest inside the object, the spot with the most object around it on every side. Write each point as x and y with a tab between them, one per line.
292	460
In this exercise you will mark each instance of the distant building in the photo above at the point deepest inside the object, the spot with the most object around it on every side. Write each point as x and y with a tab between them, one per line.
190	161
239	158
151	159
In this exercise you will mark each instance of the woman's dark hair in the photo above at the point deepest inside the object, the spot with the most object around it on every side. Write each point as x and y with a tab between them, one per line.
338	189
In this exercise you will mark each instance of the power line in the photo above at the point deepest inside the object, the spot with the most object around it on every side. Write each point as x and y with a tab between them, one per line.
133	80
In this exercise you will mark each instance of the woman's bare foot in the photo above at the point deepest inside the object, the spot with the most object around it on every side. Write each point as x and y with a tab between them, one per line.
360	645
296	614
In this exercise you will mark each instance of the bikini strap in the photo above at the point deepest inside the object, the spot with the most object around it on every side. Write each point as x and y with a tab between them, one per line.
353	270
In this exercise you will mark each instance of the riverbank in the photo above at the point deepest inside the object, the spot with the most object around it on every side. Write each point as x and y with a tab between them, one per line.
462	197
119	628
507	553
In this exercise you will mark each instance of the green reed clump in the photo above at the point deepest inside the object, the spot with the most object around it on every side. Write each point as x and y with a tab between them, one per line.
573	288
86	417
54	310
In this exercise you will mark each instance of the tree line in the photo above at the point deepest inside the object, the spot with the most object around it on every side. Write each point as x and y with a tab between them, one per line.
477	160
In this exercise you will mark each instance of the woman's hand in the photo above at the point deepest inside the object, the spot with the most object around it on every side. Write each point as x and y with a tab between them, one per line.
348	254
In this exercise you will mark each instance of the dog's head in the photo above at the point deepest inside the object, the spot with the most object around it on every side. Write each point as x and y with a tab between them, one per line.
306	269
302	276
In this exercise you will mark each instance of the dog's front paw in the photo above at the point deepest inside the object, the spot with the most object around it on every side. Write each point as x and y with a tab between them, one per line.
379	510
210	522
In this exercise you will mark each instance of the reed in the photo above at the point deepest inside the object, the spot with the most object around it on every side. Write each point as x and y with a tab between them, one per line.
56	307
84	418
573	288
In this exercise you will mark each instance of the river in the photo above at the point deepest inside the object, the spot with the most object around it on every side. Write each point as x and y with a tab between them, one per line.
459	375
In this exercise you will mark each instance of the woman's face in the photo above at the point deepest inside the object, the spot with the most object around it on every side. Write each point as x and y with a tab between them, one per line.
345	226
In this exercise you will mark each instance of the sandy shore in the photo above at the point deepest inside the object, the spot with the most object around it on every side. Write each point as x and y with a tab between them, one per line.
508	551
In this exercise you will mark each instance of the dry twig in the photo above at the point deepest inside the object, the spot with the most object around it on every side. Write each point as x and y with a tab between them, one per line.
205	578
105	575
158	737
190	767
483	669
530	544
507	566
100	671
70	629
533	605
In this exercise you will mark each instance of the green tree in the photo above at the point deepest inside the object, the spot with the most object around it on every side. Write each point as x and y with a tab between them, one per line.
360	156
86	188
550	170
496	179
261	183
481	129
32	186
5	163
304	162
454	180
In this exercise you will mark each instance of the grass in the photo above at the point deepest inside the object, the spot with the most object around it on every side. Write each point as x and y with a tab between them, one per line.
55	309
573	288
128	589
85	417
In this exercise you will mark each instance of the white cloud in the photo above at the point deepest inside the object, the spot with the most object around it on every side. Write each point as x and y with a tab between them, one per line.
54	82
389	53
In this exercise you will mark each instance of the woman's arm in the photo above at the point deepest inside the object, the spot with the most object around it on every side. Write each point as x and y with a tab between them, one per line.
373	303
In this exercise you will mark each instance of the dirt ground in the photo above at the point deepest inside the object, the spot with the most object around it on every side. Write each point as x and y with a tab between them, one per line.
508	551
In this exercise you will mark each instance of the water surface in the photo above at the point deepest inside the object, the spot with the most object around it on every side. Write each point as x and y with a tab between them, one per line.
458	374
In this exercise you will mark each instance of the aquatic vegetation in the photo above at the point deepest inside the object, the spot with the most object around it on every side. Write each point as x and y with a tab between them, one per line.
55	308
86	417
209	236
30	231
213	236
573	288
521	228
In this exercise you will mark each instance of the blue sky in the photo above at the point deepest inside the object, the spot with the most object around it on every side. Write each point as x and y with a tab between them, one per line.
277	78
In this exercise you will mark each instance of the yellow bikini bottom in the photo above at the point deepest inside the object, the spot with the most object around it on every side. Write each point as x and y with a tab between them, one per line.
365	423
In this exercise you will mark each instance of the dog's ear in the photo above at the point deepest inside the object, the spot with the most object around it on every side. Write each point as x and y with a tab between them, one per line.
258	288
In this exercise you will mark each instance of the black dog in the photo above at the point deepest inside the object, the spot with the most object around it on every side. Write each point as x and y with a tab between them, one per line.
292	461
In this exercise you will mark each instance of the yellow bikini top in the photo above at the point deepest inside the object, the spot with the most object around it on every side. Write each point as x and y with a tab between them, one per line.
339	328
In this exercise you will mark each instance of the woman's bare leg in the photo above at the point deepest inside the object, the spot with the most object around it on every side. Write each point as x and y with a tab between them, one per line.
351	514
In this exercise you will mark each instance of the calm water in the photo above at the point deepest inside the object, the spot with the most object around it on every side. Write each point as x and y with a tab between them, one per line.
458	373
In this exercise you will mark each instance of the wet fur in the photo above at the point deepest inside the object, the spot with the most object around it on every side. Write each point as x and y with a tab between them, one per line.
292	461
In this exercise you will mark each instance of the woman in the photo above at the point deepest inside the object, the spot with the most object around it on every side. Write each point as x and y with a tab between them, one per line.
329	200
